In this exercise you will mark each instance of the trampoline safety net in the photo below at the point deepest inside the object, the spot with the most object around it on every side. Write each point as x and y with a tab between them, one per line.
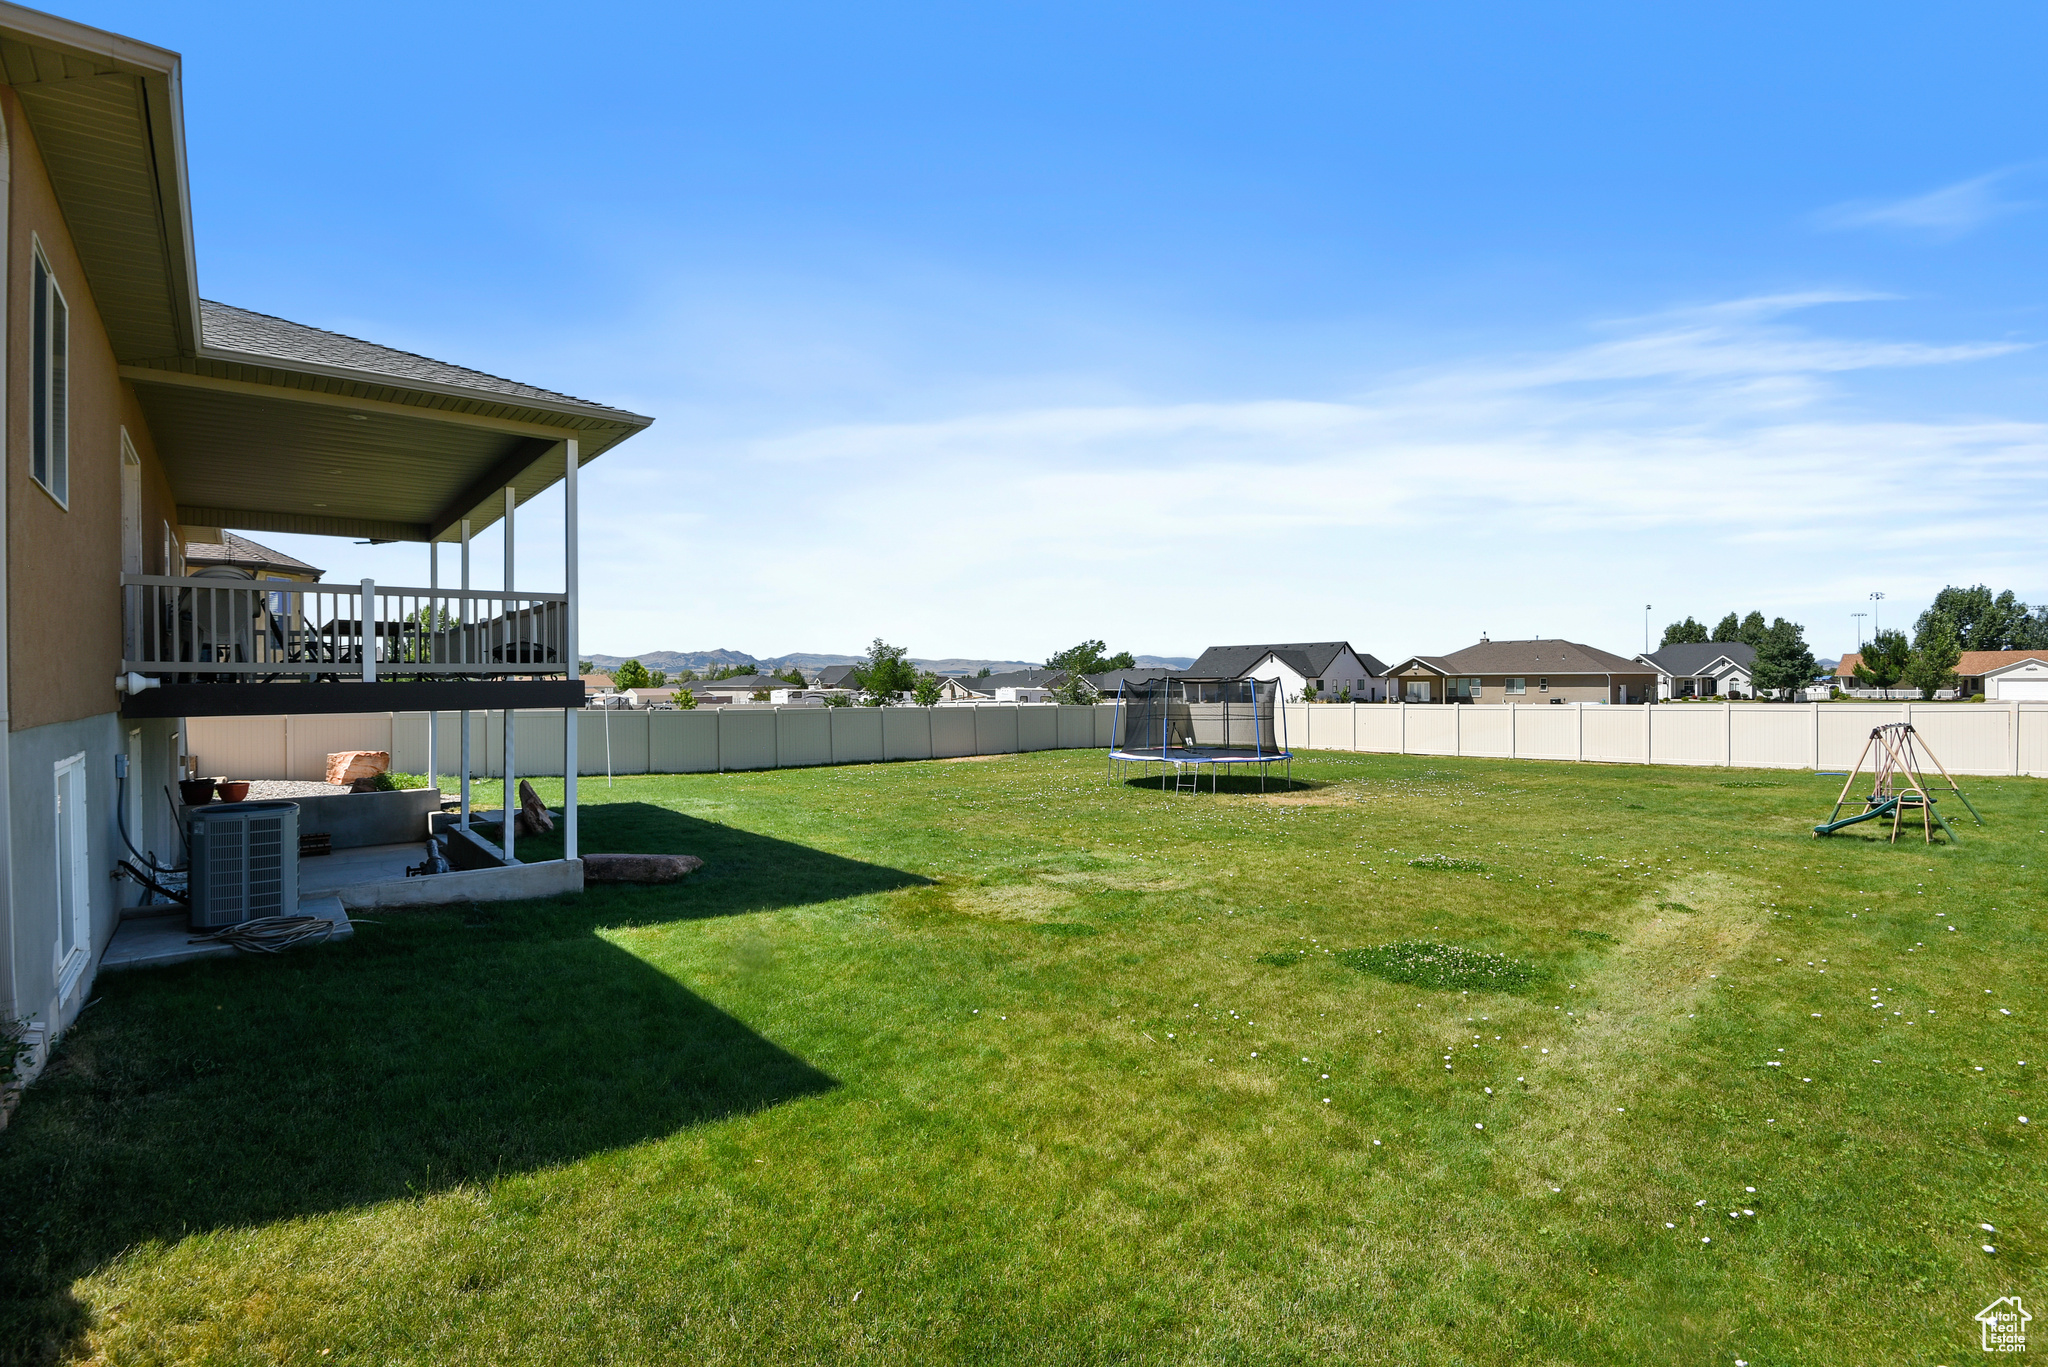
1176	718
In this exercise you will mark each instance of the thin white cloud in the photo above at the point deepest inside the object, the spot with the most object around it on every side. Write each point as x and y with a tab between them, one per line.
1706	452
1948	212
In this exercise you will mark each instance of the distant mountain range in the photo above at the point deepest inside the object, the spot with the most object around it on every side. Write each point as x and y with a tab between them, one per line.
676	661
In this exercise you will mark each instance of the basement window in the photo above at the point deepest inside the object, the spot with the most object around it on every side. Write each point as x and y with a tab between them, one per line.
50	397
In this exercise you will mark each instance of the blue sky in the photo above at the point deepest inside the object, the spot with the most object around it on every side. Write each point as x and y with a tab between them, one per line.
988	328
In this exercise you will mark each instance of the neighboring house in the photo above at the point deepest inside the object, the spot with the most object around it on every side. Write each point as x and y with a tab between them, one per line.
1329	667
598	685
2023	680
739	688
1536	671
791	696
835	676
1976	672
141	421
1702	669
661	697
1019	685
1108	684
229	551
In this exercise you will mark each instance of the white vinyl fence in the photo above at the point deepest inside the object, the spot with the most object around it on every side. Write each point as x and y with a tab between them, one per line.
1970	738
704	740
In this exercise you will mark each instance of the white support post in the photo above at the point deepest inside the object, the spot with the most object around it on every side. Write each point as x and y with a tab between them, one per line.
430	631
572	719
510	803
464	636
369	630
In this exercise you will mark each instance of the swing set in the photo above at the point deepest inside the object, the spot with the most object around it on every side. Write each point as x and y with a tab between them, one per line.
1897	787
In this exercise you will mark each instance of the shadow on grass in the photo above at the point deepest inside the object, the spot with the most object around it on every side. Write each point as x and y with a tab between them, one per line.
438	1048
1226	783
743	871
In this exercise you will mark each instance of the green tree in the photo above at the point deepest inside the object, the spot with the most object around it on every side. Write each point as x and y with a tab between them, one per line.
983	672
1936	648
586	667
1687	632
1883	662
792	676
1074	692
1088	658
883	676
1983	621
1729	628
1783	659
927	689
657	678
837	700
686	676
685	699
1753	632
631	674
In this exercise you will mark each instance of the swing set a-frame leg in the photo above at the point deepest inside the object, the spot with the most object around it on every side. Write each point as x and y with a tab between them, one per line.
1850	781
1953	786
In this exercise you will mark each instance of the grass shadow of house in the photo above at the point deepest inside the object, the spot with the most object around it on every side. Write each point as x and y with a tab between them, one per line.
438	1048
744	871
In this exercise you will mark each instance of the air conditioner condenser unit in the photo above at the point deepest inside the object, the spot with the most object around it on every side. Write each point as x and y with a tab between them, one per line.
245	862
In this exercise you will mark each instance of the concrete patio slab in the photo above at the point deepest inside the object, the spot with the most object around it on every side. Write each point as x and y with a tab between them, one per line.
154	941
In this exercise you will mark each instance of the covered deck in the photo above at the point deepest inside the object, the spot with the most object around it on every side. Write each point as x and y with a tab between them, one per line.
273	426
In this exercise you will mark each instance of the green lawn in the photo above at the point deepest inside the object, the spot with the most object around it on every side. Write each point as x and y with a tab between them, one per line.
999	1063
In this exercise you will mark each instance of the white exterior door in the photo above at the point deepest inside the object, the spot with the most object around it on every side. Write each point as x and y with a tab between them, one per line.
74	877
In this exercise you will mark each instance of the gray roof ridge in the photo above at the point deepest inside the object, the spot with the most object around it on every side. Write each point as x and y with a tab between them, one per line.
512	388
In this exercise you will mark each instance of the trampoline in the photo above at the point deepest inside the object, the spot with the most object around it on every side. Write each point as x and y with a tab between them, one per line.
1186	724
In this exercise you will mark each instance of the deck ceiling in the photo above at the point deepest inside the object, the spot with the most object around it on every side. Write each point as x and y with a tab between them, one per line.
278	463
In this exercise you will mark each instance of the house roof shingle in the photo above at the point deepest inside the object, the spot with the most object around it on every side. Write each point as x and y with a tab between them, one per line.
987	684
227	328
1537	657
1691	657
244	554
1310	659
1973	664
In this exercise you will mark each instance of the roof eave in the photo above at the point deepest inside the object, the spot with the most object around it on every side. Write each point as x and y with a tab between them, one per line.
589	413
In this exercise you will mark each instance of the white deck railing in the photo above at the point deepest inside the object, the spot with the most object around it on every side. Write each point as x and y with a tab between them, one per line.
246	630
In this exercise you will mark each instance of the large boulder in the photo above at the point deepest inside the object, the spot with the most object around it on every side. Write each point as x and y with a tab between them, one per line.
349	766
638	868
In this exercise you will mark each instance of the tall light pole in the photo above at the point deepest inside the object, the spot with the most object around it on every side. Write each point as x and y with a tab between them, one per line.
1859	616
1875	627
1646	628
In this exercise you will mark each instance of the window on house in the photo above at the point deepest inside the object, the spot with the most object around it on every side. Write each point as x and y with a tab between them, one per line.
50	399
1516	686
1543	685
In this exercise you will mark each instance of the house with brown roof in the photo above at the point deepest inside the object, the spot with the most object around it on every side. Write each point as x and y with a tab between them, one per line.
2000	675
1527	672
